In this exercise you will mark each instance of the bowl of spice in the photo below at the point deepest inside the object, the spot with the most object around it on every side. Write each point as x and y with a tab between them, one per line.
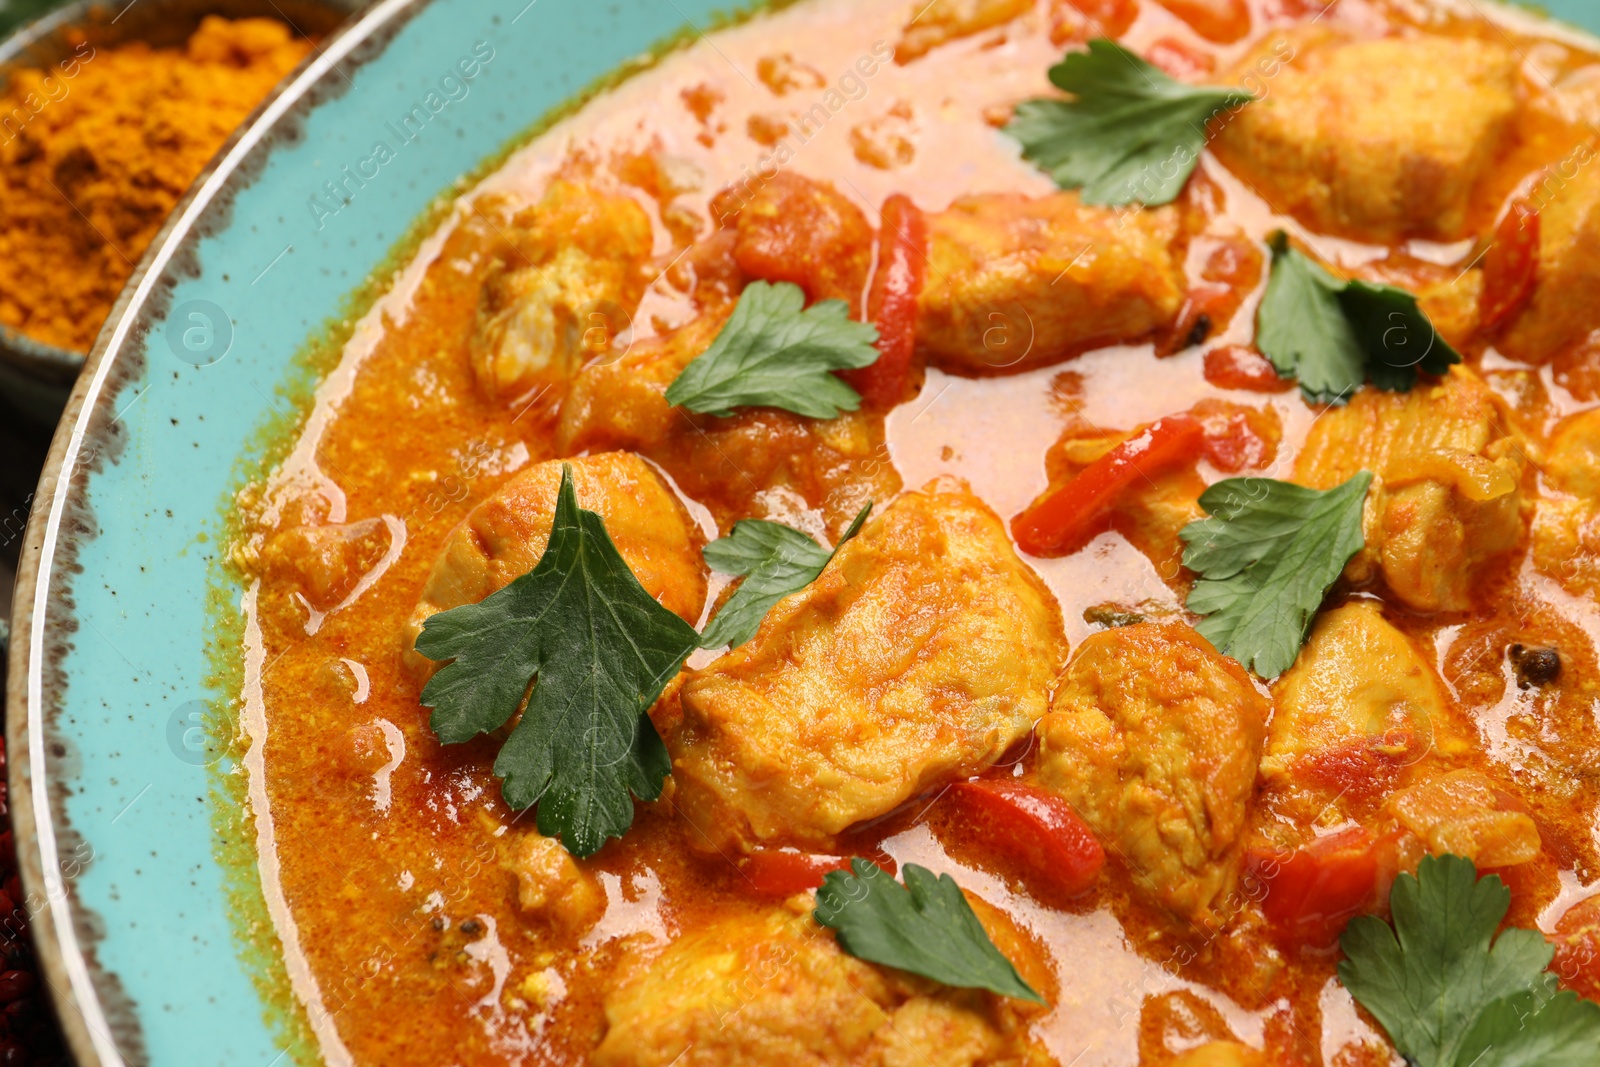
107	115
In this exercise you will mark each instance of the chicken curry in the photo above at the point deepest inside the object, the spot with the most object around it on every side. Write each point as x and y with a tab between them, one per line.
976	532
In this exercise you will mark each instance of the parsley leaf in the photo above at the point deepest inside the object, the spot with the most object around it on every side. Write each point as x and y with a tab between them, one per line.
597	650
925	927
775	352
1265	558
1333	334
775	561
1452	994
1130	132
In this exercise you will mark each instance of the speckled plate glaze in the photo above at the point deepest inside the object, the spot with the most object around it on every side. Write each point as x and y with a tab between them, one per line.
114	783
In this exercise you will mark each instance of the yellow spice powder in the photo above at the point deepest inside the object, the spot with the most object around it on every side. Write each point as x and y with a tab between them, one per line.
96	151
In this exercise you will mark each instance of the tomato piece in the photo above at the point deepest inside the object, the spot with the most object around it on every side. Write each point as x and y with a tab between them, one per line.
793	229
1511	266
1234	262
1219	21
1232	269
892	303
1066	516
1577	942
1034	829
1311	893
1234	441
1240	367
1180	59
783	872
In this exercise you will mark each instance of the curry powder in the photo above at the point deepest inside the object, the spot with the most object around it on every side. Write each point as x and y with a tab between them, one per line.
96	151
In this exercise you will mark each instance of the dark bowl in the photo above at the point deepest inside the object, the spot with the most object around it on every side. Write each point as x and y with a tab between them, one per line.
35	378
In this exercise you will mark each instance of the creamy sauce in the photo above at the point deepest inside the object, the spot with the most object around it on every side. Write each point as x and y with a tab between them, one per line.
379	845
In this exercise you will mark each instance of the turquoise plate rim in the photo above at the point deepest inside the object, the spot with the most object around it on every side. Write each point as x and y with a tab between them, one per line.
43	612
85	1021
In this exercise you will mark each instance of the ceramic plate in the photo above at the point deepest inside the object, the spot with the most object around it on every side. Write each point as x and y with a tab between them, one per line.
140	875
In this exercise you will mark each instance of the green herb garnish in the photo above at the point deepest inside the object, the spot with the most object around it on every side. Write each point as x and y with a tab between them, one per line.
775	560
1131	133
925	927
597	650
1266	558
1333	334
1452	994
775	352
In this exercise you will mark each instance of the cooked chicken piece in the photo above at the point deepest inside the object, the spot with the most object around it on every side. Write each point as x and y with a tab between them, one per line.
760	463
1153	737
1378	159
1359	707
551	886
792	229
776	990
1563	308
1566	529
1573	463
1016	282
1566	544
568	285
920	655
1465	813
503	538
942	21
1446	495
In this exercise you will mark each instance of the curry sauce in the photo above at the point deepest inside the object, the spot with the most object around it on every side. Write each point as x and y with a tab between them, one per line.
427	922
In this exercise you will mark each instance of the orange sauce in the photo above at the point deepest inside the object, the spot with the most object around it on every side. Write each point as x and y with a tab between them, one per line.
405	931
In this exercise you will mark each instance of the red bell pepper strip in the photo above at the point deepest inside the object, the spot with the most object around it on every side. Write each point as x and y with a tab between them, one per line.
783	872
1065	517
1034	829
1510	267
892	303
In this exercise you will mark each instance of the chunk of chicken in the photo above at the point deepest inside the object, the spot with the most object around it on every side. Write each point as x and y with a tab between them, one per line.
551	886
943	21
503	538
1465	813
1573	463
1566	528
1154	737
1562	310
1375	158
759	463
920	655
775	989
568	285
790	228
1360	705
1016	282
1446	496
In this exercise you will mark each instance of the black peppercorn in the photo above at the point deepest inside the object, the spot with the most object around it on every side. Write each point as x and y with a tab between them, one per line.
1535	666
